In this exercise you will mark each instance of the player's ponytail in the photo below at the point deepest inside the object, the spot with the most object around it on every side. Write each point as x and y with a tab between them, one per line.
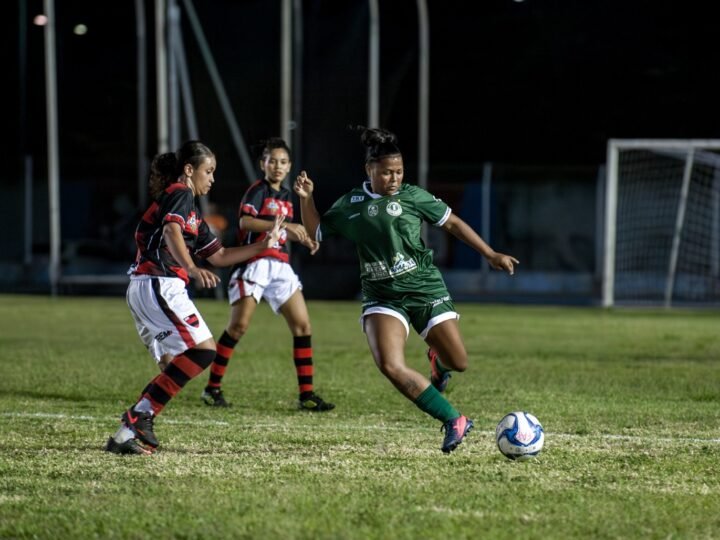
163	172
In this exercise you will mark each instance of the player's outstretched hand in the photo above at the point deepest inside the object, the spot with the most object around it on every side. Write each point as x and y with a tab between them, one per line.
311	244
303	185
274	235
500	261
204	279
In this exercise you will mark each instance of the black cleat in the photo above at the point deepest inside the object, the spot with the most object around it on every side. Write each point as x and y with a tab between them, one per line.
141	424
131	446
314	403
214	397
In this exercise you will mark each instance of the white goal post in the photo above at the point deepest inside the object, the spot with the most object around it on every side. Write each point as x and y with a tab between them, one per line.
662	222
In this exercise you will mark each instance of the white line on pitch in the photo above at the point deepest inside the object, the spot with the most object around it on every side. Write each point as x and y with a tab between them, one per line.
290	427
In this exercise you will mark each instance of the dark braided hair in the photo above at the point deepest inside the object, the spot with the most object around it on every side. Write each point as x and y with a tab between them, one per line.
166	168
380	143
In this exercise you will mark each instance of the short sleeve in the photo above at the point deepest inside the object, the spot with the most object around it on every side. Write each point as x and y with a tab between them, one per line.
207	242
176	206
330	220
432	209
252	201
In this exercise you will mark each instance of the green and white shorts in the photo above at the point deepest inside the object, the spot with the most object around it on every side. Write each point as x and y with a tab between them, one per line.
422	301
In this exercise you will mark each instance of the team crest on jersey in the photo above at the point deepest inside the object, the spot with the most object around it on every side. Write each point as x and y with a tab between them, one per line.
192	320
357	198
373	210
394	208
192	223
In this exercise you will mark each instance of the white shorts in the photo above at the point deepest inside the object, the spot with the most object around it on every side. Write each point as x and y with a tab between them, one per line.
267	278
166	319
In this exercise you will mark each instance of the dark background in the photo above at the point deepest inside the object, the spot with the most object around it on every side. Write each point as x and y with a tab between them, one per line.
536	88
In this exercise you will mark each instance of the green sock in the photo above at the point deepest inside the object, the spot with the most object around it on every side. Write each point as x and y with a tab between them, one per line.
442	369
433	403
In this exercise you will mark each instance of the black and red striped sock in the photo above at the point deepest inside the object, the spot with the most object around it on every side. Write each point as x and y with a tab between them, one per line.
225	346
183	368
302	355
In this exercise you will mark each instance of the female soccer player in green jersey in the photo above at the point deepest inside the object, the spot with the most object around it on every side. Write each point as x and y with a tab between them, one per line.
400	284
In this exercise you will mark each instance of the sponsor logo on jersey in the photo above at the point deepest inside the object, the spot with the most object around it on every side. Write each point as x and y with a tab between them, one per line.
162	335
192	320
373	210
400	265
357	198
394	208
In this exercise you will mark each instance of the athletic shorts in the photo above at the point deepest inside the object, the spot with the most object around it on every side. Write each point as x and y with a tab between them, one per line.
267	278
166	319
422	301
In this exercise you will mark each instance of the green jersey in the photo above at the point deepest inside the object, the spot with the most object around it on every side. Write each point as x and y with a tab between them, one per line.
386	230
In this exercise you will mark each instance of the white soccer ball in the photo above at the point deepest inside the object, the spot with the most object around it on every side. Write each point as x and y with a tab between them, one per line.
519	436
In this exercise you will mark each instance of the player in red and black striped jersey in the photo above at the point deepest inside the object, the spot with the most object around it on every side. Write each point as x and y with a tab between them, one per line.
170	237
270	276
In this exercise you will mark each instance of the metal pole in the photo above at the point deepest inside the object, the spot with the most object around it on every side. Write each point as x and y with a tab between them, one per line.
423	98
161	76
298	40
679	224
611	186
485	213
173	25
142	152
27	259
220	91
52	141
373	119
285	69
178	52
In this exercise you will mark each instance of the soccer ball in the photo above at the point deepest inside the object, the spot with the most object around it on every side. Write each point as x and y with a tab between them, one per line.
519	436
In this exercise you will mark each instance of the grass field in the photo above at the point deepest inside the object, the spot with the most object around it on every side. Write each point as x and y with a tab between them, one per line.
630	402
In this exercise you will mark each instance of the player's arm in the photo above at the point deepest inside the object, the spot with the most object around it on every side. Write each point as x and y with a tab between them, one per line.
172	233
304	188
227	256
295	231
465	233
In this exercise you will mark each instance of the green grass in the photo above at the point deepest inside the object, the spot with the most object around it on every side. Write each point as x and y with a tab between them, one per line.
629	401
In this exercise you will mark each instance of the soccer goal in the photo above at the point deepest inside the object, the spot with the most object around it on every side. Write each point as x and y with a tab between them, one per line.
662	223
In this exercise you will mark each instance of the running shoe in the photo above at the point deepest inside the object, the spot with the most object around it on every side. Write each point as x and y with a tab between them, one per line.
455	430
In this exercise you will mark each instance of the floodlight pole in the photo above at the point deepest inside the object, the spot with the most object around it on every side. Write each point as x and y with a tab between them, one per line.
373	118
52	142
161	76
423	98
142	160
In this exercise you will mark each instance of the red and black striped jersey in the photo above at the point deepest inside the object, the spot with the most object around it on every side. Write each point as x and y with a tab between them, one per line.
175	205
262	202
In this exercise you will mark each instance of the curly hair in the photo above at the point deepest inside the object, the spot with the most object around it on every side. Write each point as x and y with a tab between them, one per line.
379	143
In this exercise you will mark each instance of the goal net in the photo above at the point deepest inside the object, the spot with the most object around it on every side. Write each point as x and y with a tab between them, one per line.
662	223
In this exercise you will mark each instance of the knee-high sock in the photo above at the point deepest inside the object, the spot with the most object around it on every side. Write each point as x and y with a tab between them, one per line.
302	356
432	402
180	370
226	345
